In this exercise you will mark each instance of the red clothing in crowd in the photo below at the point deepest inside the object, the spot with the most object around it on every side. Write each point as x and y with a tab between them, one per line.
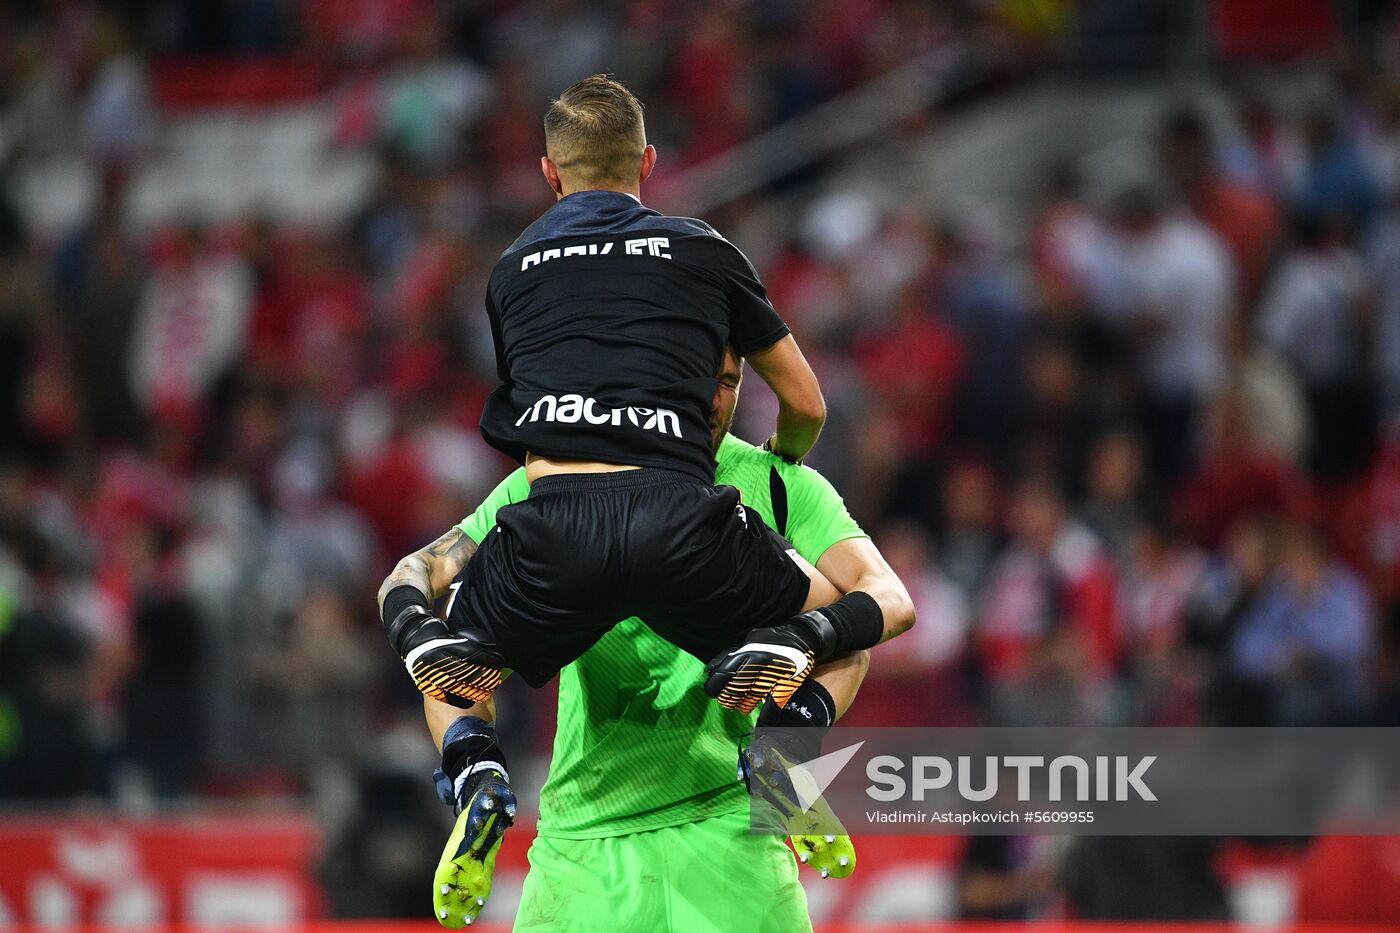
1030	597
1248	223
914	370
1232	487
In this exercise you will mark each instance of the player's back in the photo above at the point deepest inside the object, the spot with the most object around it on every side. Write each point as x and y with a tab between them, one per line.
610	320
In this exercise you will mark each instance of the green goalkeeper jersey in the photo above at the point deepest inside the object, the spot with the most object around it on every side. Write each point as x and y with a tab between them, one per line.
639	745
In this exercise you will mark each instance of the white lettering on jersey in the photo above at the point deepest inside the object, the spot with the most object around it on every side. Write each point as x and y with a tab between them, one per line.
570	409
649	246
654	246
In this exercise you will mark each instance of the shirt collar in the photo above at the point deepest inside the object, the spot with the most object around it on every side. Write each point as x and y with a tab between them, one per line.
602	191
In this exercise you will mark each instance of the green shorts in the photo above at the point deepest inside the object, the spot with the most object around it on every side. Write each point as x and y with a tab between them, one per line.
713	875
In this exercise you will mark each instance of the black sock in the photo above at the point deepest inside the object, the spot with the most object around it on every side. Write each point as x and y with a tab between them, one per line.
811	706
468	741
798	728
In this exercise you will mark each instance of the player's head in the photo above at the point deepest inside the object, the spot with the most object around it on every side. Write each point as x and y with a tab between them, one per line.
595	138
731	373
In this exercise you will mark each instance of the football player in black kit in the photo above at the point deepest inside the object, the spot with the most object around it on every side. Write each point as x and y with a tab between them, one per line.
609	321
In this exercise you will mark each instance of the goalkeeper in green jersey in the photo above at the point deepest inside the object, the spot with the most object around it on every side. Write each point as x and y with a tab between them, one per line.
643	825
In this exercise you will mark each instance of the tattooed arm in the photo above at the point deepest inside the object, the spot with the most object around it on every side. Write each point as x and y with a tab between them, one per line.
432	569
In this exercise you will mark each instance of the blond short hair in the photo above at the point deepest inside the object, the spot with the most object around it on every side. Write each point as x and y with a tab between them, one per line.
594	132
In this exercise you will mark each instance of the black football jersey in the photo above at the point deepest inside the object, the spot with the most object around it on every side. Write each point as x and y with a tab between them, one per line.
610	321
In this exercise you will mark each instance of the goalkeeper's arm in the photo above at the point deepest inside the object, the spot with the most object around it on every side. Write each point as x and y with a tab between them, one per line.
801	408
424	642
856	565
851	565
432	569
861	603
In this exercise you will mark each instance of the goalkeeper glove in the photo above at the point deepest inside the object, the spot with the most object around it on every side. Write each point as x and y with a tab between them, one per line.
474	780
773	662
451	668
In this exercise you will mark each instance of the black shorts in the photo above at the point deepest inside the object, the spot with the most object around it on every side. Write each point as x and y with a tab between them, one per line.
586	551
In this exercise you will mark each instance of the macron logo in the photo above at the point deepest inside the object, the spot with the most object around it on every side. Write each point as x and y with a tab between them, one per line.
571	409
810	779
654	246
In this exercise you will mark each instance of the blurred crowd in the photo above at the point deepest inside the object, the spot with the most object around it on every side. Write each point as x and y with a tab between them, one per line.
1138	461
1155	486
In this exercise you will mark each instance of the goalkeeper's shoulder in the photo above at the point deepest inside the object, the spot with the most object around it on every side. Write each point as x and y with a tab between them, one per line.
735	451
806	484
799	481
